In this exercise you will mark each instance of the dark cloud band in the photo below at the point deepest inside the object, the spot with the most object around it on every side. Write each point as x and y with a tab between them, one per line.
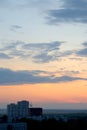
10	77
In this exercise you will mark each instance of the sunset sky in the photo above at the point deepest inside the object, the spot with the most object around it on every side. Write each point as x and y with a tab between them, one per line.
43	53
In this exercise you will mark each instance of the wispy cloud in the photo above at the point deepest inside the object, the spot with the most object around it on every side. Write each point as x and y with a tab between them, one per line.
10	77
38	52
15	27
41	52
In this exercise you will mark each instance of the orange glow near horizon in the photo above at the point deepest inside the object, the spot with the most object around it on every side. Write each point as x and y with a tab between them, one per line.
71	92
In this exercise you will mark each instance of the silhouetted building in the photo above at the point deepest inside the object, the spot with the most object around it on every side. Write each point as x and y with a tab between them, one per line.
16	111
12	112
35	111
23	107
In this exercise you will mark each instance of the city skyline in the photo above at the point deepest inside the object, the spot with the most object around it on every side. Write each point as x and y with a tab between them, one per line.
43	53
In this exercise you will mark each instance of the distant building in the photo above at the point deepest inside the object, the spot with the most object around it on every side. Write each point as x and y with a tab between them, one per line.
16	111
13	126
23	109
35	111
12	112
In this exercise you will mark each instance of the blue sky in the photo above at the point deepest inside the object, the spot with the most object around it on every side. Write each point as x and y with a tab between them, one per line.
32	21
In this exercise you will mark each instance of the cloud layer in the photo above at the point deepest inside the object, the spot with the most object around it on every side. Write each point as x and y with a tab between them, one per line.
10	77
40	52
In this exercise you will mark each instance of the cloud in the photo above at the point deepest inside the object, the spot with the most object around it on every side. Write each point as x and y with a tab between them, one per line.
76	4
38	52
43	52
71	11
10	77
15	27
44	58
45	46
83	51
52	55
13	45
85	44
4	56
67	72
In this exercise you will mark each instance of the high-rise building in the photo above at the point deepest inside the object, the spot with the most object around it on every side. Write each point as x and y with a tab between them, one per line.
23	107
16	111
12	112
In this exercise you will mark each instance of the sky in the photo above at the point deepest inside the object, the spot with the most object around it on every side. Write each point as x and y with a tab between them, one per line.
43	53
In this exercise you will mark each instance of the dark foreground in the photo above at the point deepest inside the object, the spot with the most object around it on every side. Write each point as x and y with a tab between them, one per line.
53	124
72	123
